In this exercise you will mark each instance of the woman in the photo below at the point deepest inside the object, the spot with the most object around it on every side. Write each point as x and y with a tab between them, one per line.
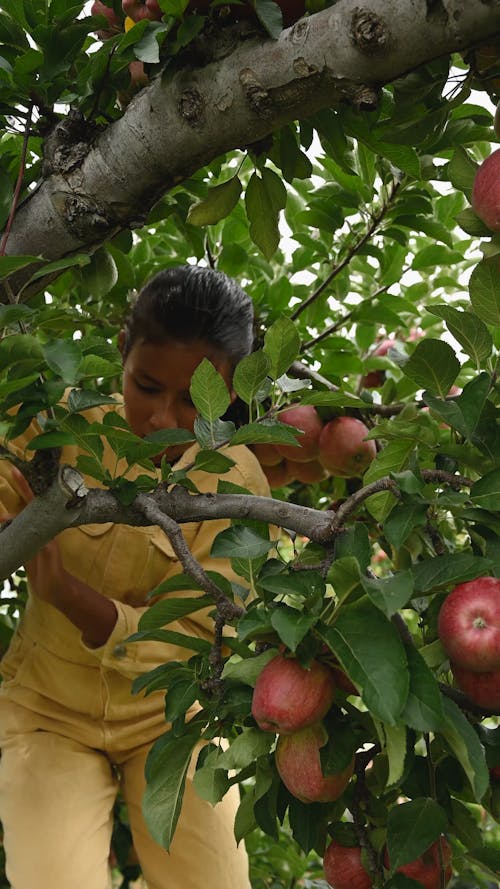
71	732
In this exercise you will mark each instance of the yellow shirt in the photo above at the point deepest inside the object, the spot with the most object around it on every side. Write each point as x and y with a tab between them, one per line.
49	670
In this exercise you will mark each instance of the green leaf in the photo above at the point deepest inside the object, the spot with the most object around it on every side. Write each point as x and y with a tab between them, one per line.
168	610
240	542
463	412
402	520
486	491
209	391
424	710
247	670
391	593
281	345
166	769
452	568
101	274
54	439
250	374
266	432
333	399
392	458
11	264
213	461
63	357
433	365
211	783
412	827
270	15
291	626
393	739
466	746
83	399
245	749
212	435
219	202
461	171
264	198
371	652
484	290
468	330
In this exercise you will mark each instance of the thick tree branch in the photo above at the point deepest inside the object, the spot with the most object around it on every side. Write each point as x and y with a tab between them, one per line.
182	122
68	504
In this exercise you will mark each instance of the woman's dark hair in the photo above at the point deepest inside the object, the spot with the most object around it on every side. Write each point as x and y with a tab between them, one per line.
188	303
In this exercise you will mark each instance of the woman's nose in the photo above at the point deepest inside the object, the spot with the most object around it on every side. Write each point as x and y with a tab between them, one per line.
164	417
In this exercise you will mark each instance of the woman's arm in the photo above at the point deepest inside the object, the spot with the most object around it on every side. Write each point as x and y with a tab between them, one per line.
93	614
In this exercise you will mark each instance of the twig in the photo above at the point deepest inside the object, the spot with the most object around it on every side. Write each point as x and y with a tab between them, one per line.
227	609
20	177
376	219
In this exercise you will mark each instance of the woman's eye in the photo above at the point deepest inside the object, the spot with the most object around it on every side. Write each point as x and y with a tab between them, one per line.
150	390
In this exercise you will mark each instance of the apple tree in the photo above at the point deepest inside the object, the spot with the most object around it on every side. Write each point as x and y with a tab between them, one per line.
331	167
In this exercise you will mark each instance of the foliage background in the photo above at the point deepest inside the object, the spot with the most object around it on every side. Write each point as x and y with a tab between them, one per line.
355	225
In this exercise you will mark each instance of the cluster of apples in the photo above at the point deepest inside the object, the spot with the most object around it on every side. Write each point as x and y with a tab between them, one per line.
469	629
291	701
336	448
344	867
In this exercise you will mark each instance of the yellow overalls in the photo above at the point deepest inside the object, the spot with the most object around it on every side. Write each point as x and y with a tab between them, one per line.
71	732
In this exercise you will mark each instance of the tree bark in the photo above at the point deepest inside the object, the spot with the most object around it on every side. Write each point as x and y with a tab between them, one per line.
251	87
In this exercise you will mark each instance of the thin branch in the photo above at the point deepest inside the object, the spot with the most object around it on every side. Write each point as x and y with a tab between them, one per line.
340	323
227	609
20	177
376	219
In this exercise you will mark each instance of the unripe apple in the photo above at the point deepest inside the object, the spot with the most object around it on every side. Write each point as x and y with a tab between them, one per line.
142	9
427	868
343	867
483	689
298	762
266	454
469	624
486	192
342	448
288	697
304	417
307	473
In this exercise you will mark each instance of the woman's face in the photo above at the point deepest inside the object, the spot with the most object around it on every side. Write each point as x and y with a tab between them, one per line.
156	381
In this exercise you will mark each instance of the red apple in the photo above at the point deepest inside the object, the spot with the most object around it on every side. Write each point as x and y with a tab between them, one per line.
495	773
343	867
427	868
482	688
304	417
266	454
142	9
486	192
299	766
375	378
469	624
307	473
342	448
279	475
115	24
288	697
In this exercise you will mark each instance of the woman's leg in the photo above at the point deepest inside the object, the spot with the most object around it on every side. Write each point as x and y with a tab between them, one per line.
203	852
56	801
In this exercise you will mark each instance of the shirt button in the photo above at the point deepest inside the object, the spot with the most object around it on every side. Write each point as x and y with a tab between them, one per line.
120	650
